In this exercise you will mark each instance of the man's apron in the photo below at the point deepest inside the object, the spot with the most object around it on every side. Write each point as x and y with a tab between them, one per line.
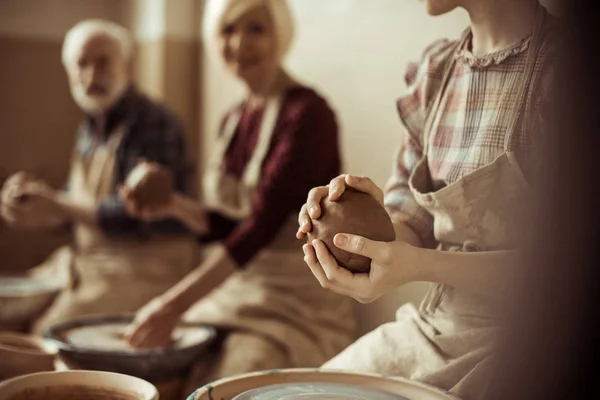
275	295
448	342
112	275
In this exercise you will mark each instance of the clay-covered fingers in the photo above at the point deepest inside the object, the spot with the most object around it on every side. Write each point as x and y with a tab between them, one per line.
12	188
37	188
304	223
8	194
14	197
365	185
337	187
313	201
311	259
310	210
18	179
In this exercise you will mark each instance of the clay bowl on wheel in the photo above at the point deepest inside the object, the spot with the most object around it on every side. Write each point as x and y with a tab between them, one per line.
77	385
315	384
24	298
96	343
23	354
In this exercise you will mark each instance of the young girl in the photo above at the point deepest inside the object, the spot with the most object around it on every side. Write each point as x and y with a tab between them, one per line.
458	198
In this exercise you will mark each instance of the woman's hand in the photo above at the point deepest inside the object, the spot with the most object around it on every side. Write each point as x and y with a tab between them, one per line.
312	209
393	264
153	325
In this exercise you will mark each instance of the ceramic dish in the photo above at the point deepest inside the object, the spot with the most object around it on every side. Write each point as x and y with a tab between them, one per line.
317	391
96	343
24	298
278	384
77	385
24	354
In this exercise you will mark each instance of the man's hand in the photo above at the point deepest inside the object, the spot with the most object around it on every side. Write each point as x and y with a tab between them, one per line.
11	193
29	203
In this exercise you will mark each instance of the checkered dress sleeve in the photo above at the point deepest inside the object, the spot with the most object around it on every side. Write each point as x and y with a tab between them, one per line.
422	80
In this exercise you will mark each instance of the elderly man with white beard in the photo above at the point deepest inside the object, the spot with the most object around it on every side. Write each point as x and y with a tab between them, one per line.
115	263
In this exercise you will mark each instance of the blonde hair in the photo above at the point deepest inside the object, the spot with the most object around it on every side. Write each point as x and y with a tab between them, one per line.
219	11
82	31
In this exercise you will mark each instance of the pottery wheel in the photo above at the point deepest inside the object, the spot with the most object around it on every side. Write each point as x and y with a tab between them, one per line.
316	391
109	337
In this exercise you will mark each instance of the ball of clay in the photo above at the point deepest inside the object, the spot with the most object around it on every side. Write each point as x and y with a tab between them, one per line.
354	213
149	185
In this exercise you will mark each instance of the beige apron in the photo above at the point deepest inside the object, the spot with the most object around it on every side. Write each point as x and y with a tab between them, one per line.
112	275
449	341
275	296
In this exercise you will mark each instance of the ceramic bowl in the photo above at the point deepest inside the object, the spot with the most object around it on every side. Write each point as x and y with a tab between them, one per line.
167	390
23	298
23	354
76	385
296	383
155	365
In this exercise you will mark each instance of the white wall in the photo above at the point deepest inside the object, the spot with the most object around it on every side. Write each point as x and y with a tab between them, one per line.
50	19
355	52
150	20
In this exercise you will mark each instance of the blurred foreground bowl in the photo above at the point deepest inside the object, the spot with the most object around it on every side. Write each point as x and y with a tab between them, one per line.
88	385
23	354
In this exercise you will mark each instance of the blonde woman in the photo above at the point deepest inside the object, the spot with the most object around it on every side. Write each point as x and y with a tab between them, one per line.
254	285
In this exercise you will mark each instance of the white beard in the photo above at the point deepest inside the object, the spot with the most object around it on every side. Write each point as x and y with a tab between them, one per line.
98	104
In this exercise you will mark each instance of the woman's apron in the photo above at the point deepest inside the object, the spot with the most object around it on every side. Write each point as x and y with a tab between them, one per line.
112	274
275	295
448	342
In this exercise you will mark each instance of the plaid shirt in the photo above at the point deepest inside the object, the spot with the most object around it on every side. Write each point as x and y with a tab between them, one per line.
470	132
153	133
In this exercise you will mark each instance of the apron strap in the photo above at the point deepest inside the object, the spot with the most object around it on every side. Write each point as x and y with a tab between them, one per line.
267	129
433	110
100	164
222	143
526	77
225	192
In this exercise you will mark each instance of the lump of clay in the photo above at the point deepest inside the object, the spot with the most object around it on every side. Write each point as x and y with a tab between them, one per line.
354	213
149	186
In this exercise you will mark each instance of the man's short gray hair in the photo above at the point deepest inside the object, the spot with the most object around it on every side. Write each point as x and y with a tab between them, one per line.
82	31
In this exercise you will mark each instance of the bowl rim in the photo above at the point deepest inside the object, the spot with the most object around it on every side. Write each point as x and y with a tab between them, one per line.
44	287
46	347
150	385
52	333
210	387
